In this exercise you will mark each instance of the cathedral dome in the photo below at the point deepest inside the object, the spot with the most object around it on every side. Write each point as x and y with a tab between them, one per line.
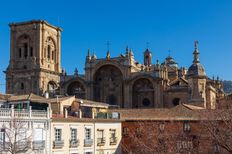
170	62
196	69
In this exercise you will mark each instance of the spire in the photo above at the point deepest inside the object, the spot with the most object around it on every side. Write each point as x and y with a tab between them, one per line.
108	55
131	52
196	53
88	55
76	72
127	50
93	57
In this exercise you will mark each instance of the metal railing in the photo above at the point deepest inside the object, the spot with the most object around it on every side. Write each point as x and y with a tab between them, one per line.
88	142
74	143
16	113
58	144
38	145
107	115
113	140
101	141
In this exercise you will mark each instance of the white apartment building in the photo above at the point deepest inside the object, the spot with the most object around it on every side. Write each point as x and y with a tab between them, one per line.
85	136
24	131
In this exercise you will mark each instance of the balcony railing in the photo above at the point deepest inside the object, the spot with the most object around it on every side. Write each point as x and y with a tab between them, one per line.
113	140
22	146
107	115
88	142
74	143
58	144
38	145
15	113
101	141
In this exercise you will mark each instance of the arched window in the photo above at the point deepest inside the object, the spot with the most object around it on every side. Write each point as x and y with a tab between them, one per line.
76	88
111	99
53	55
22	86
25	50
20	52
49	50
108	85
31	51
143	93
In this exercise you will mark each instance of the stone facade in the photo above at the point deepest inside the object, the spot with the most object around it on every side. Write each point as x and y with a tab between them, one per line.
34	58
119	81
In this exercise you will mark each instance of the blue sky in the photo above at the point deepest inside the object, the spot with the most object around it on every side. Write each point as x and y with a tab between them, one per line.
165	24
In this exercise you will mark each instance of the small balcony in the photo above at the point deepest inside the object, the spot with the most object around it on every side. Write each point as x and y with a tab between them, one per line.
101	141
88	142
58	144
74	143
38	145
113	140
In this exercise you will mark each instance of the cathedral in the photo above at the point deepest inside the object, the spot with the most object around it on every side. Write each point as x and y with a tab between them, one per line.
121	81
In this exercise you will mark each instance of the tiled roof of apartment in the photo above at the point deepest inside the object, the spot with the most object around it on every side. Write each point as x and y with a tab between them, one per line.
31	97
76	119
59	99
4	96
180	112
91	103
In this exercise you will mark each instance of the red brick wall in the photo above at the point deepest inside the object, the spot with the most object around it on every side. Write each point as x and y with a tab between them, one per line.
147	137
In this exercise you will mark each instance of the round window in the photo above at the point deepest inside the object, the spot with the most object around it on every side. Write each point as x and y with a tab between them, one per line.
146	102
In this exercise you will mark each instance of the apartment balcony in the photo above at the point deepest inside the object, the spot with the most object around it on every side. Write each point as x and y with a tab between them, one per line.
24	113
107	115
38	145
74	143
101	141
88	142
113	140
58	144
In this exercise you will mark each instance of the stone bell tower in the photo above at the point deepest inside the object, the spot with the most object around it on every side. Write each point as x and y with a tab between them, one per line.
197	78
34	58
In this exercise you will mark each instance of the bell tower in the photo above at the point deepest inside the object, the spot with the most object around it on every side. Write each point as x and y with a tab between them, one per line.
197	78
147	57
34	58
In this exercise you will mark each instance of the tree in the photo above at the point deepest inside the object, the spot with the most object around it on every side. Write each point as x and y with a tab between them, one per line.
158	137
15	137
219	126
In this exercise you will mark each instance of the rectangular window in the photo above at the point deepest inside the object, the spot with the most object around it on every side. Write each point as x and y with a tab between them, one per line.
2	136
38	134
125	131
87	133
112	133
186	126
58	134
73	134
100	133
